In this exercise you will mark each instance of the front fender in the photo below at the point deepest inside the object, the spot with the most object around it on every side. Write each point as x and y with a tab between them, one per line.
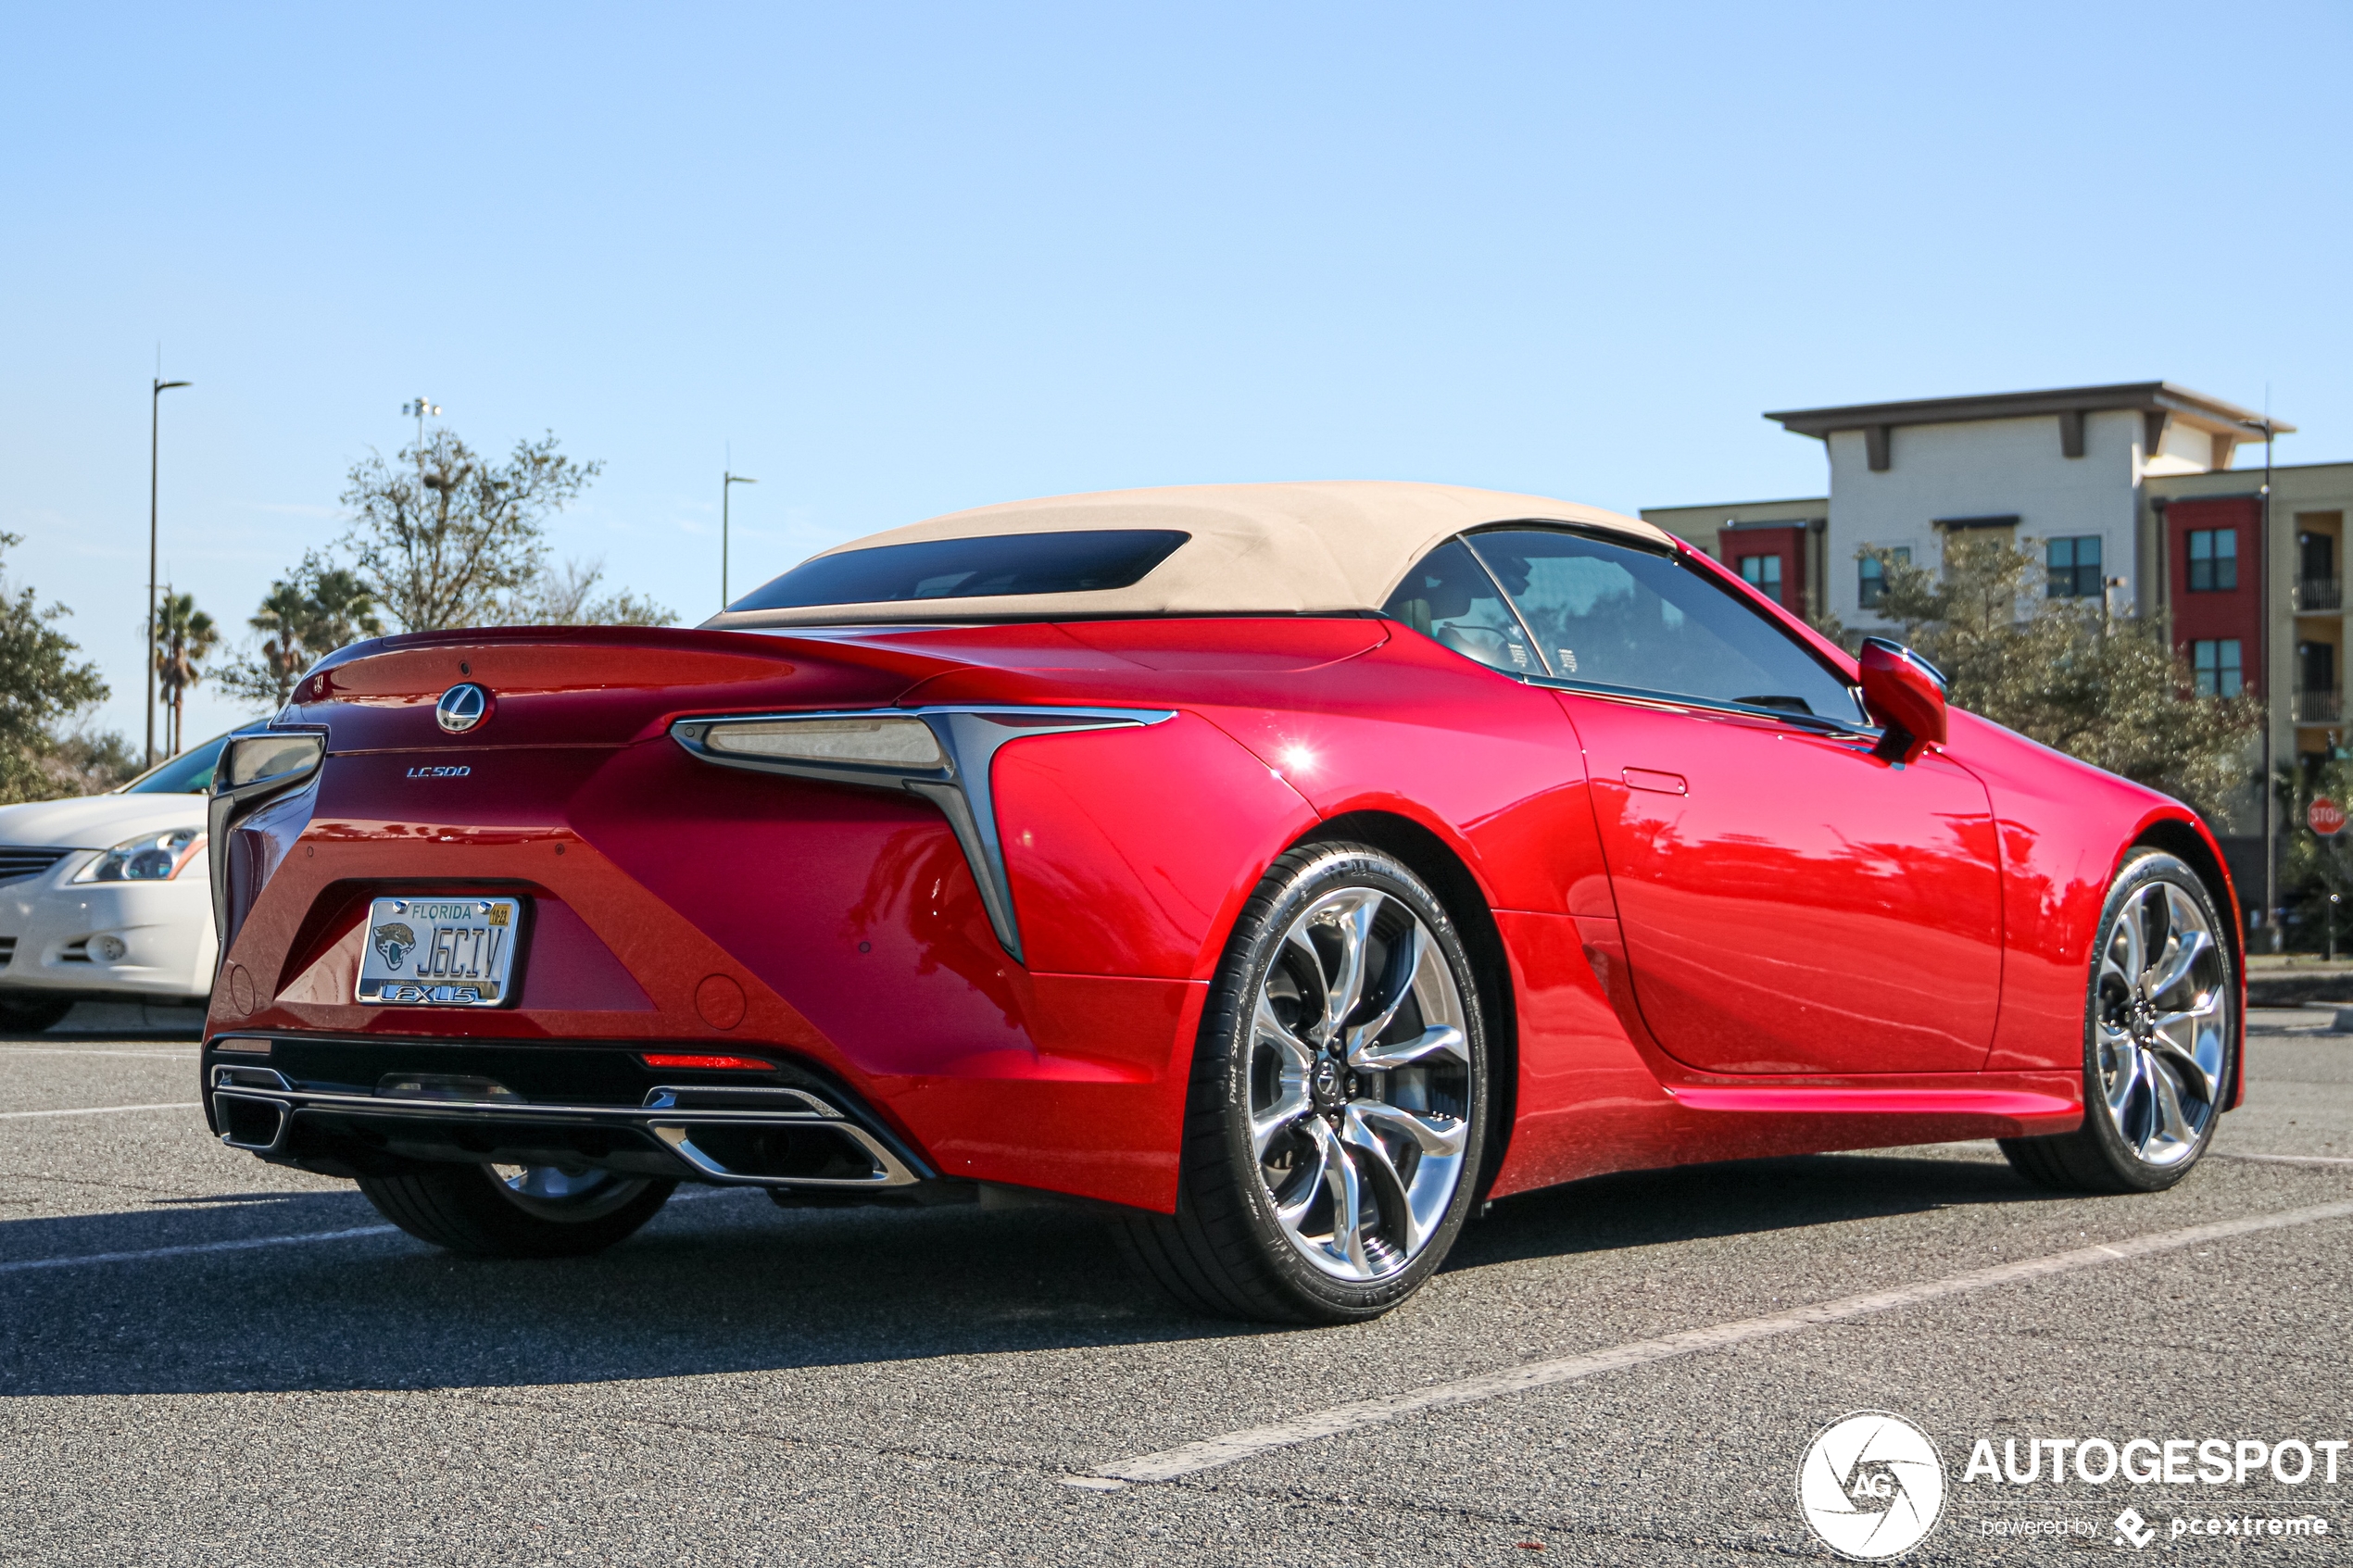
2064	828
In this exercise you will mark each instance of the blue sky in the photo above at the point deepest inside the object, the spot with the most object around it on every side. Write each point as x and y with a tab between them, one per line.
907	258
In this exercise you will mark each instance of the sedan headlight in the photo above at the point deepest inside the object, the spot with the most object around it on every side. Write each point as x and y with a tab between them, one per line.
153	857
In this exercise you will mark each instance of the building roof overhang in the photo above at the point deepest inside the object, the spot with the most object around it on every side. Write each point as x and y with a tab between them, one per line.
2148	398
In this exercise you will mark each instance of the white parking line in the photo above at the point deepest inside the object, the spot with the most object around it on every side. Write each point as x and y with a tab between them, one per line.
1210	1452
248	1243
2287	1158
189	1055
104	1110
191	1250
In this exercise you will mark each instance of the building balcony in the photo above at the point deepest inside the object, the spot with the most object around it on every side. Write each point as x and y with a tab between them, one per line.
2318	707
2320	594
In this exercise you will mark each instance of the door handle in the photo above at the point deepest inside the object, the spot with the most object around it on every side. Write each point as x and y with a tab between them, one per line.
1650	779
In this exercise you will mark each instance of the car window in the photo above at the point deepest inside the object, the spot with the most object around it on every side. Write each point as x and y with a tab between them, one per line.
188	773
1614	616
995	566
1450	598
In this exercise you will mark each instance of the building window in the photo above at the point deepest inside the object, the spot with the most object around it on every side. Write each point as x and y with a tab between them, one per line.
2074	566
2214	560
1764	574
2216	662
1872	586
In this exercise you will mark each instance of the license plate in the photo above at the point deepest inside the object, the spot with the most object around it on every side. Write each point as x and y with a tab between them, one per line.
440	952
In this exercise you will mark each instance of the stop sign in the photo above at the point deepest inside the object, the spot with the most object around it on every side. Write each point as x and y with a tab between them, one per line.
2326	817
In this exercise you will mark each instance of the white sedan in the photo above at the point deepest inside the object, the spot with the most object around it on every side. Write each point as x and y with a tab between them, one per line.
107	896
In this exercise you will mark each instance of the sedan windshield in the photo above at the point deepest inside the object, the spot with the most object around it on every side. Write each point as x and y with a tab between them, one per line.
188	773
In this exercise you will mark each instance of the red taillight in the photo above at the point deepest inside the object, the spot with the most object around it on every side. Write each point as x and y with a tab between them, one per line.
744	1063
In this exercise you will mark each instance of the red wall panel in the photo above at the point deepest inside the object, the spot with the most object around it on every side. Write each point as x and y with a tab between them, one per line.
2234	612
1789	544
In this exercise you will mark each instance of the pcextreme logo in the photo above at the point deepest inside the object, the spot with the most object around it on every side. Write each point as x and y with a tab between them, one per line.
1870	1486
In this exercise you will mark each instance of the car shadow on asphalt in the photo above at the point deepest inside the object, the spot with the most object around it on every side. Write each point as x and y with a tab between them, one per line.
1691	1202
728	1282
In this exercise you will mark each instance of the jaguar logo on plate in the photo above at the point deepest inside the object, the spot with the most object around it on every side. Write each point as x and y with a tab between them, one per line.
395	941
441	952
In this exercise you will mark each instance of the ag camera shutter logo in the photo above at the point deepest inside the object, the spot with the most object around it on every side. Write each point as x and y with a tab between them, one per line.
1870	1486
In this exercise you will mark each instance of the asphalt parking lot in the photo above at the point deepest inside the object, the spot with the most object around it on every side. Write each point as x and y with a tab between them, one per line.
204	1360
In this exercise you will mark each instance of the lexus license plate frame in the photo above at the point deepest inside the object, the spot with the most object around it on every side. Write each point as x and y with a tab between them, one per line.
441	951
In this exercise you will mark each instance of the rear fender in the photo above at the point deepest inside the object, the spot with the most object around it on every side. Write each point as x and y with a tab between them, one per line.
1489	765
1131	851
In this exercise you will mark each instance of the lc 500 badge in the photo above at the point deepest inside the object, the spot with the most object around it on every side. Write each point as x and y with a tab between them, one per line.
440	952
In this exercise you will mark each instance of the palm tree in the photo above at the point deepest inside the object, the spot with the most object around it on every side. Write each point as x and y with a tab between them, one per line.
185	638
284	653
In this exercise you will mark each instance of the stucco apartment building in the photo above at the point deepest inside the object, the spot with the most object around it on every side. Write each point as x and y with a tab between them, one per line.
2148	492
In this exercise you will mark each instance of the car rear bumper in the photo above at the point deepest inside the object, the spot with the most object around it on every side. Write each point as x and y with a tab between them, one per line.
336	1105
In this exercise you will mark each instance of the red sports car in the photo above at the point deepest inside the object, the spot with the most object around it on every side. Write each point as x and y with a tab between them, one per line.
1284	870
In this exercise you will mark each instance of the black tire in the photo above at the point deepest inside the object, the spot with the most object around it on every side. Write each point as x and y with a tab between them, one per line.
1225	1253
472	1209
2107	1153
30	1015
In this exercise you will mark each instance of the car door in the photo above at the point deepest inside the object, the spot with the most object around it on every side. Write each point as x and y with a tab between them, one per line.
1789	901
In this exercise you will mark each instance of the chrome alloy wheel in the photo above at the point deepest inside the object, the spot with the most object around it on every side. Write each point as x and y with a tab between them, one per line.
2162	1025
1360	1089
552	1192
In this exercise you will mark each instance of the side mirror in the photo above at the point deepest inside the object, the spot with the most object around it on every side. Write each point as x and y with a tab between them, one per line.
1905	693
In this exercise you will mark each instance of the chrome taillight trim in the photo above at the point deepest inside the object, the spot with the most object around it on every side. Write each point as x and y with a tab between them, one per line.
970	737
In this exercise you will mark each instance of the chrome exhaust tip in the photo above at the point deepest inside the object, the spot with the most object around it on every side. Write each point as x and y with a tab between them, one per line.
249	1121
770	1135
802	1153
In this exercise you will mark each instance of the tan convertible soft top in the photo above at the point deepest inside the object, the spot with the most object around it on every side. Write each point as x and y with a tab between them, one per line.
1255	548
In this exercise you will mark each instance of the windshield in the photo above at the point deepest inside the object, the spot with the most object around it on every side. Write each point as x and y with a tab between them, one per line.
994	566
188	773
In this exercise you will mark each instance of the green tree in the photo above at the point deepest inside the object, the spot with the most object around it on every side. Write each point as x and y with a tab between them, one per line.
41	681
2107	688
2312	867
308	614
89	761
185	638
443	537
566	595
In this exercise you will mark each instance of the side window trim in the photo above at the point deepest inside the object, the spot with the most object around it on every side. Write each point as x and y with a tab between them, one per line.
1543	659
1818	723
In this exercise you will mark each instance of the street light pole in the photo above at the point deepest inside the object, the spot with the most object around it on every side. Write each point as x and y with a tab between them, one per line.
2270	828
154	422
726	491
420	407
